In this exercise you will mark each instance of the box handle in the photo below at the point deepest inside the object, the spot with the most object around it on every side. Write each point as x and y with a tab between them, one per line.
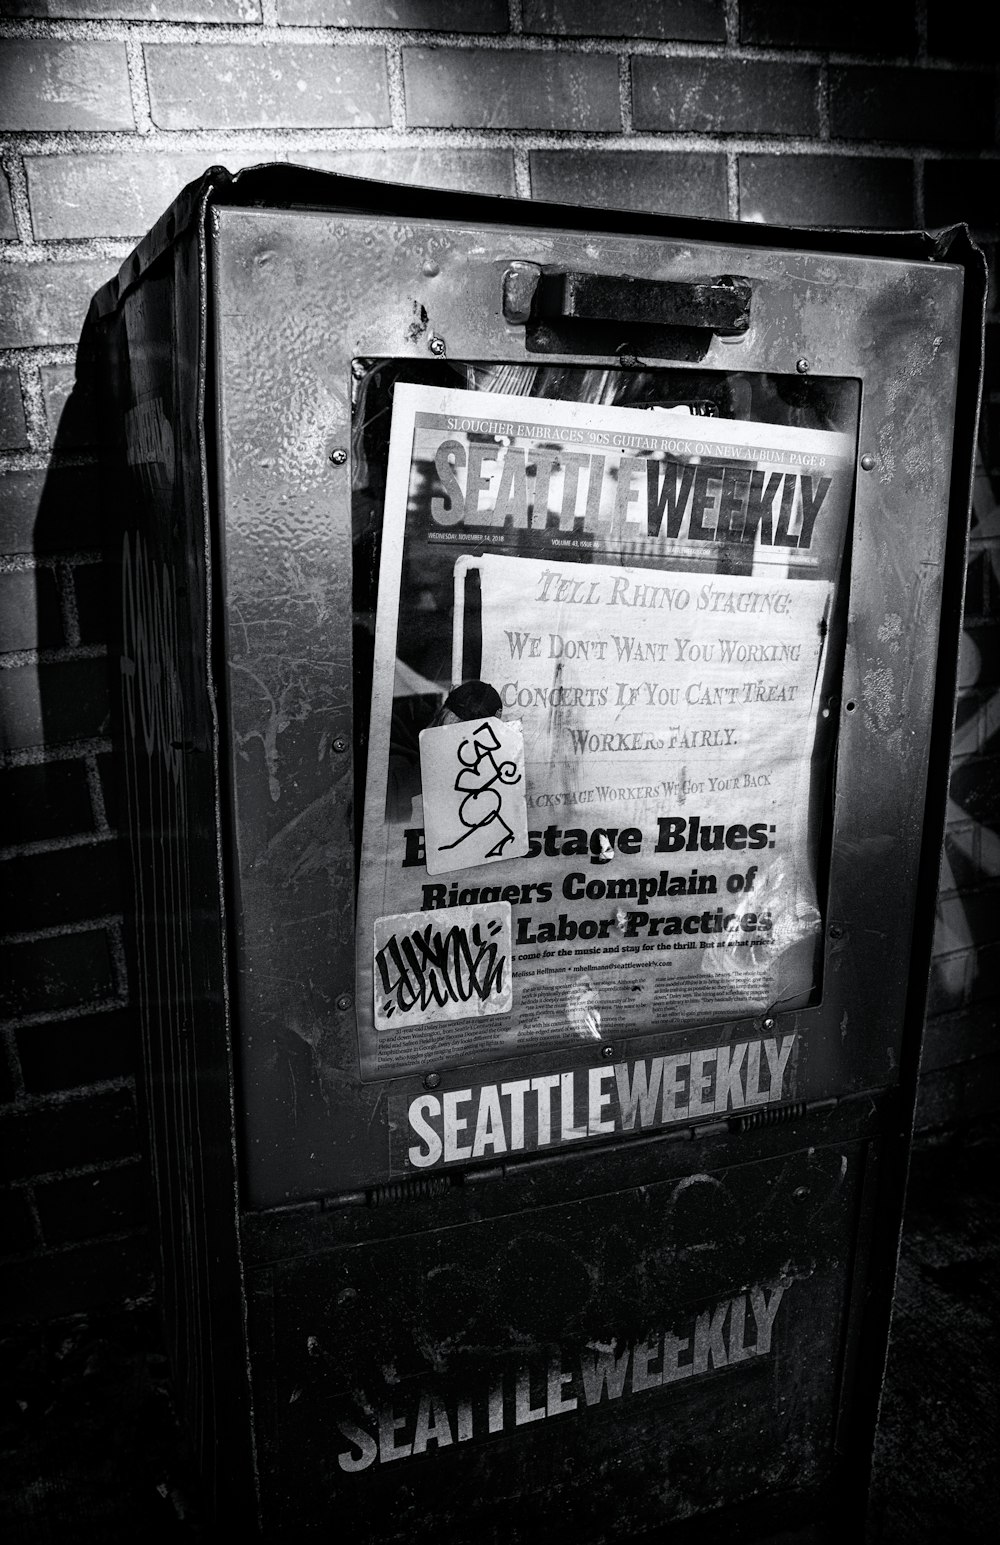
720	305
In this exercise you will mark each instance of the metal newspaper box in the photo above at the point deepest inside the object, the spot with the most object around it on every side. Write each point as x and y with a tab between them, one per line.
536	677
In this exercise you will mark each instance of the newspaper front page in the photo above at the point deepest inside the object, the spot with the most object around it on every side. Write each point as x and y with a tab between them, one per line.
620	620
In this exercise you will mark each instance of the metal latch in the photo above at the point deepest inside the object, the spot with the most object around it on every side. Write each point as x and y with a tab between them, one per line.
720	305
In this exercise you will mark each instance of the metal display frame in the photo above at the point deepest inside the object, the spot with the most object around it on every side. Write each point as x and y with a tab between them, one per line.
226	347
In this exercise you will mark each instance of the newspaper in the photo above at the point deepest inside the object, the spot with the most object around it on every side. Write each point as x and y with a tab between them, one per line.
616	625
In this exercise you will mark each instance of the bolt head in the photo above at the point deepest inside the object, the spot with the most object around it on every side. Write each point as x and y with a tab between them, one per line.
436	345
431	269
432	1080
341	743
338	457
768	1023
867	463
344	1001
608	1053
802	365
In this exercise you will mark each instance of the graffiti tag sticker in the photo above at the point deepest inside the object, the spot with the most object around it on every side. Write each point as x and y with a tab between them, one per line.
475	810
453	963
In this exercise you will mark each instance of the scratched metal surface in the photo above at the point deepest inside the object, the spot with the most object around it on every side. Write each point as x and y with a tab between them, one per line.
298	295
490	1383
152	370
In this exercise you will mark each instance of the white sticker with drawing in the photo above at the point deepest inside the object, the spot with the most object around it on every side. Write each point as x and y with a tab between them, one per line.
453	963
472	777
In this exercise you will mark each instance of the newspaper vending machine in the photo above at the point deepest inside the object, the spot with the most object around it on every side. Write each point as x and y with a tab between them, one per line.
538	630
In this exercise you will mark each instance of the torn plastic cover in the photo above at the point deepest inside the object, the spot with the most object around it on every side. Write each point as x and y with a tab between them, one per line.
638	582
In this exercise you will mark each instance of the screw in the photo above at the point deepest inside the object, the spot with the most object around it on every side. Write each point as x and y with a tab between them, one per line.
867	462
608	1053
338	457
836	932
436	345
345	1001
341	743
768	1023
432	1080
802	365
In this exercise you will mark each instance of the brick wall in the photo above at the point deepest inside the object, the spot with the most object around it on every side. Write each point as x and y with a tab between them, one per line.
778	110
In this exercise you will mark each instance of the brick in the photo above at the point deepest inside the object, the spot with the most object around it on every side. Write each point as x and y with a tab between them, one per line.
51	799
432	15
717	96
948	983
81	1278
8	228
86	1206
466	171
826	190
13	429
956	1096
853	26
967	709
45	975
96	194
47	704
30	614
984	643
69	409
68	1133
977	576
283	85
139	10
49	85
963	190
916	107
981	914
47	302
665	182
68	885
975	788
60	510
699	21
955	1038
963	29
96	599
18	1232
86	1049
463	87
986	977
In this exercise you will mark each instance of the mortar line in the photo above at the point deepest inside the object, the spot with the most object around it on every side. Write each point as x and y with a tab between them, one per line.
625	93
43	845
17	183
67	605
733	184
138	83
256	35
33	402
522	172
396	86
13	1060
